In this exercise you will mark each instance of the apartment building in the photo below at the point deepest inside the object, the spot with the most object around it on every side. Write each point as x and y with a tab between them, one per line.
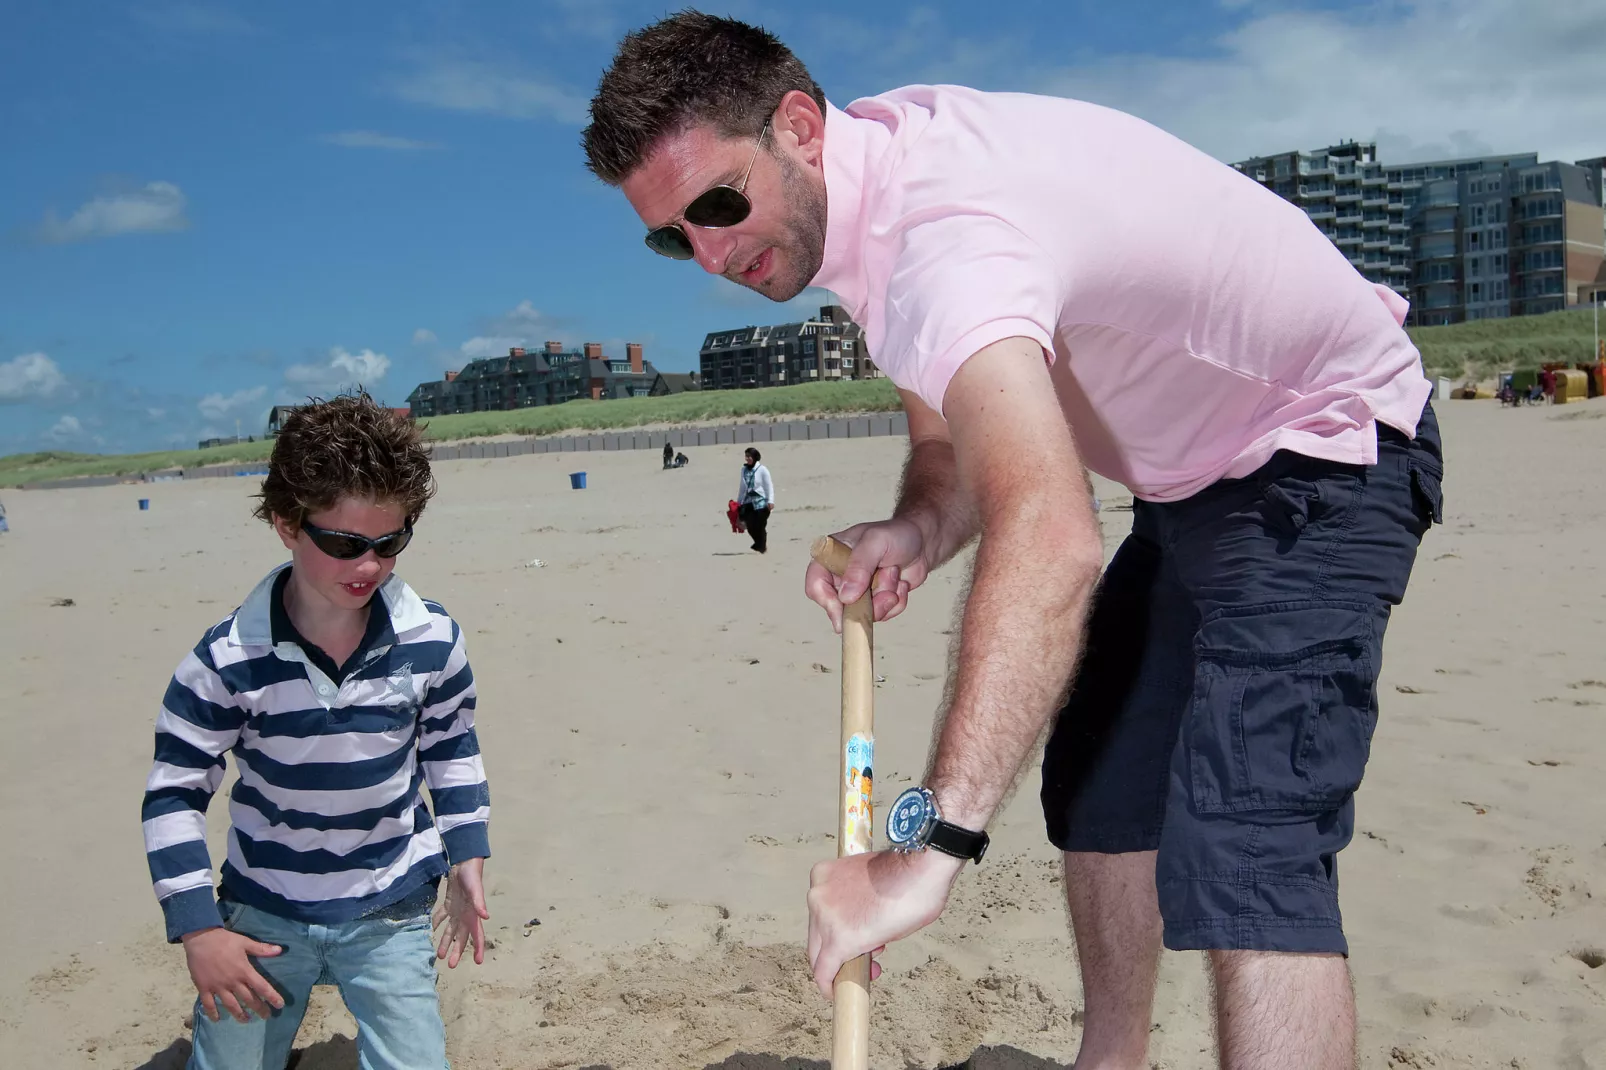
550	376
828	348
1352	199
1518	240
1475	238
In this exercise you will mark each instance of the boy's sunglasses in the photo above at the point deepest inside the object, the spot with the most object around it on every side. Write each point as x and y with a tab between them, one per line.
344	546
722	206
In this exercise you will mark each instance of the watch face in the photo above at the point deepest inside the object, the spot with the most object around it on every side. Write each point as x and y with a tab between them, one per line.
908	817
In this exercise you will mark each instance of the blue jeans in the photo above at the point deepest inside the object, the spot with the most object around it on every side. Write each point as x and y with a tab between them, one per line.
385	970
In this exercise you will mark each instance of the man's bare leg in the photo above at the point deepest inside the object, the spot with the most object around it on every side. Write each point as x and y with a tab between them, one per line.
1277	1011
1115	915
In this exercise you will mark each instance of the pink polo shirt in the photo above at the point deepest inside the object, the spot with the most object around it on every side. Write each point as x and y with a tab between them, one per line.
1194	322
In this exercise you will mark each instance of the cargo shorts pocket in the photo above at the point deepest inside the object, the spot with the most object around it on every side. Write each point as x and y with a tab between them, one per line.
1283	707
1427	490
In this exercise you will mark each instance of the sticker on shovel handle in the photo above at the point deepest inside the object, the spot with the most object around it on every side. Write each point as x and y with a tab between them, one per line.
858	780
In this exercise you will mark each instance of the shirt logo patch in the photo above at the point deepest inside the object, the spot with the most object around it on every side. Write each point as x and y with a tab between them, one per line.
400	696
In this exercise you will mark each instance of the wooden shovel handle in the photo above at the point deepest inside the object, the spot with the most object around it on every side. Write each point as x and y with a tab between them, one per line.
850	1048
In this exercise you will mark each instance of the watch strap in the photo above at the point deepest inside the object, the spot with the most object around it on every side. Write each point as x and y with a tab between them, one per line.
950	839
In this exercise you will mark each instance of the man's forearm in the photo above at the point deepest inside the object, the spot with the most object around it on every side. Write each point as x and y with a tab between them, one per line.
1020	639
932	498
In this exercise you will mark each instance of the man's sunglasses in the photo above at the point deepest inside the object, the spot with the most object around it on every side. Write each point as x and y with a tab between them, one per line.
344	546
722	206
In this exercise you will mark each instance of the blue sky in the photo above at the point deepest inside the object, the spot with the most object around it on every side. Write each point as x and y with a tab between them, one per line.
207	208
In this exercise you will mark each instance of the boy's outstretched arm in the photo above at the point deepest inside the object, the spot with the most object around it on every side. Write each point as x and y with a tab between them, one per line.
449	751
199	722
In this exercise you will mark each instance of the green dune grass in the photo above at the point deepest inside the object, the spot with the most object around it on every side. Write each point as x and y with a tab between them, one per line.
809	399
1462	351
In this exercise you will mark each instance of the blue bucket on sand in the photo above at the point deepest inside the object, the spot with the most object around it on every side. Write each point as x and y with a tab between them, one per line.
144	505
577	481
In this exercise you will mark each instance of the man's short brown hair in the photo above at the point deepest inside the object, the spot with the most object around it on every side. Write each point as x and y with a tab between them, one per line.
346	447
687	70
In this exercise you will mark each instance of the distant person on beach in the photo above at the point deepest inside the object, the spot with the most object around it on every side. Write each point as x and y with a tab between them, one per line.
755	499
4	527
1052	286
669	455
1547	384
341	694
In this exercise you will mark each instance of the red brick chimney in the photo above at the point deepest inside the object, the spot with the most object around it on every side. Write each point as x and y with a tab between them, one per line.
633	349
450	376
593	350
554	347
515	351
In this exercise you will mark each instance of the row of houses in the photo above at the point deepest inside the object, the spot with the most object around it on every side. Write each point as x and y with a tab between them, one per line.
549	376
826	348
1481	237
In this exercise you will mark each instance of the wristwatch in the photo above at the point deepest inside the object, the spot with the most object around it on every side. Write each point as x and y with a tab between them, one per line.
914	823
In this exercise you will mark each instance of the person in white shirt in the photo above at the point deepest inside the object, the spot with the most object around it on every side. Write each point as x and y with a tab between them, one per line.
755	498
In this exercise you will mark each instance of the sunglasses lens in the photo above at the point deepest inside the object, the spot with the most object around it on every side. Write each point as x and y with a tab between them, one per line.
393	544
340	547
722	206
672	242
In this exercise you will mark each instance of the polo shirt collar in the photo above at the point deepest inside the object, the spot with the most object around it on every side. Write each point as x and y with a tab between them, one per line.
253	622
853	147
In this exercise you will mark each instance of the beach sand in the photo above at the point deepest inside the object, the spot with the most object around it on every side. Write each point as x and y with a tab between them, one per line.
658	710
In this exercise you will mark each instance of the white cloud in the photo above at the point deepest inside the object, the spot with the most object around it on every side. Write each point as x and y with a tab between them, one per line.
423	336
524	312
342	370
156	414
1288	79
239	403
476	86
491	346
66	429
30	377
372	139
1426	79
158	206
522	325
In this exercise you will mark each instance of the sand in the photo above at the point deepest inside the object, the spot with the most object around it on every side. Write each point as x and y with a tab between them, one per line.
658	710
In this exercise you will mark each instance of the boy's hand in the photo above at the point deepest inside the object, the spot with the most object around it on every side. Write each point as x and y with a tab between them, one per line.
460	916
223	974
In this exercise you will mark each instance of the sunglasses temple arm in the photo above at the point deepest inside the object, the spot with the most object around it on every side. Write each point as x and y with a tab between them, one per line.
742	189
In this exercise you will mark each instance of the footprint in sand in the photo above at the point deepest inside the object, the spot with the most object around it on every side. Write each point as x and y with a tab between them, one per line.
1593	957
1550	878
1483	917
61	980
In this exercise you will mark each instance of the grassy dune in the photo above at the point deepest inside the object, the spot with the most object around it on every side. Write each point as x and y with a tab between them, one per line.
1479	350
1463	351
876	395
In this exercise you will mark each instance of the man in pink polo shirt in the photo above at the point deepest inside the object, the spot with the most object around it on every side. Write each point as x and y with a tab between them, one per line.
1053	285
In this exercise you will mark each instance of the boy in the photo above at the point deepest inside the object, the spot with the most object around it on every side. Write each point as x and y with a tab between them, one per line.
341	693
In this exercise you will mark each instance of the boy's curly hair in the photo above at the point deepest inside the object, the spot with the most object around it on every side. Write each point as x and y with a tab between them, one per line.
346	447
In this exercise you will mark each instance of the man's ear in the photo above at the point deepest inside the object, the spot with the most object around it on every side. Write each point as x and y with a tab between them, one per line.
800	127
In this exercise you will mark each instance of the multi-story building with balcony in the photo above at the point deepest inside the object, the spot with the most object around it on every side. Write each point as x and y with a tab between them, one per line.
1515	240
1348	195
828	348
1476	238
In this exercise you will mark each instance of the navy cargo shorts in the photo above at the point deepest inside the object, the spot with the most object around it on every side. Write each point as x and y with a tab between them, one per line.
1224	707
